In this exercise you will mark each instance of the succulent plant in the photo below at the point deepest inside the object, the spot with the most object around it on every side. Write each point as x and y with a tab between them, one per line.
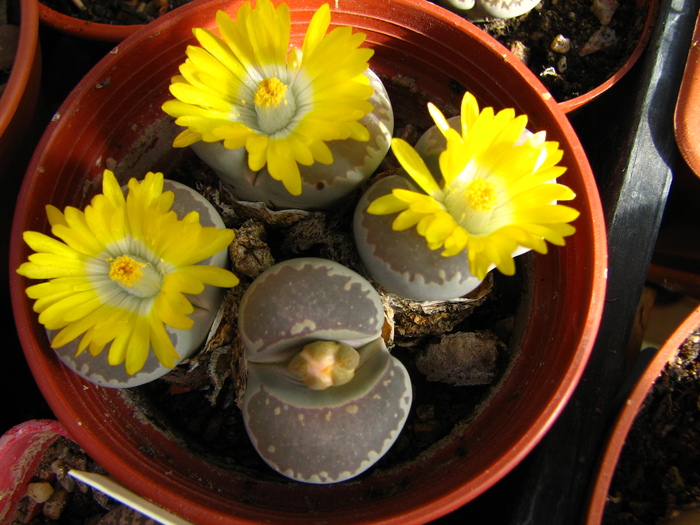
99	367
323	185
293	127
324	398
483	9
497	197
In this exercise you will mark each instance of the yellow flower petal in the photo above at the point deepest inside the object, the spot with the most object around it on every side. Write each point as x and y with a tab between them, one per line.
519	208
326	92
81	297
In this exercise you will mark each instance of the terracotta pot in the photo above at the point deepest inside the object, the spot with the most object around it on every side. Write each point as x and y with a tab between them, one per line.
687	112
575	103
108	116
83	28
19	98
631	407
21	450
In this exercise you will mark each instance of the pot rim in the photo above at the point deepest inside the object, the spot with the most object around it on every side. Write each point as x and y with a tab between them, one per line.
84	28
571	105
138	477
626	417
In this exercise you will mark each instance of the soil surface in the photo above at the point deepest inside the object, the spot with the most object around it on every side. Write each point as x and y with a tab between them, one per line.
116	12
563	42
658	474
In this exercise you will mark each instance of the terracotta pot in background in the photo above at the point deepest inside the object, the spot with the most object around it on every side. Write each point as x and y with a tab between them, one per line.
687	114
21	450
631	407
114	115
19	99
83	28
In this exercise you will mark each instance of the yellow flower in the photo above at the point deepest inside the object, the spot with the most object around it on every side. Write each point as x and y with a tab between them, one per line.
123	271
497	194
245	89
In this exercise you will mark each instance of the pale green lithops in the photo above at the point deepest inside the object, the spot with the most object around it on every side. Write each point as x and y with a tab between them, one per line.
97	369
324	398
483	9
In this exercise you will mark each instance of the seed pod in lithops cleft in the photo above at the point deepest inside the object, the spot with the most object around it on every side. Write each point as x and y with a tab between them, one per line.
324	398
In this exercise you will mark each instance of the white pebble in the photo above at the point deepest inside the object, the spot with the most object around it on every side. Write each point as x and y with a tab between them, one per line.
39	491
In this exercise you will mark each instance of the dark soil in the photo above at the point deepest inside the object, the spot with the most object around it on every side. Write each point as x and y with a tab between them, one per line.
116	12
659	469
566	74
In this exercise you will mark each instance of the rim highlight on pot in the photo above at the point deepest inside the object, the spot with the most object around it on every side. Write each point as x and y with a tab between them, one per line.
417	43
631	407
84	28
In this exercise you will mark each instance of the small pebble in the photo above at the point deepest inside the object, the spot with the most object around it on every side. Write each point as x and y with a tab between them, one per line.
521	51
53	507
601	40
562	65
604	10
39	491
560	44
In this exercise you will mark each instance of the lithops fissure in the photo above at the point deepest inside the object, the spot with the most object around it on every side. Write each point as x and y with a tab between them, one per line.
304	300
319	410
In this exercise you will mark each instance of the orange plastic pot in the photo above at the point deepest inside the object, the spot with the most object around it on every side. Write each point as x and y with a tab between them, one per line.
18	100
84	28
110	118
652	6
631	407
687	114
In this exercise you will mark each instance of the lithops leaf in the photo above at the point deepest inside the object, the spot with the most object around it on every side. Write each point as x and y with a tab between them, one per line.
206	306
303	300
400	260
329	435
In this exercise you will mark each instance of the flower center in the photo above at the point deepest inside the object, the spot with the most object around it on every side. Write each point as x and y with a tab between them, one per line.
481	195
135	276
274	109
270	93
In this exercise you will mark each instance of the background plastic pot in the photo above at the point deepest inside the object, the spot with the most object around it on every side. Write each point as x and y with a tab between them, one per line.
114	115
652	7
18	100
631	407
21	450
84	28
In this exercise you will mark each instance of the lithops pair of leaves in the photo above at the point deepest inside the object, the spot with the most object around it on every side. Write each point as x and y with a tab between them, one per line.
97	369
324	398
323	185
400	260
